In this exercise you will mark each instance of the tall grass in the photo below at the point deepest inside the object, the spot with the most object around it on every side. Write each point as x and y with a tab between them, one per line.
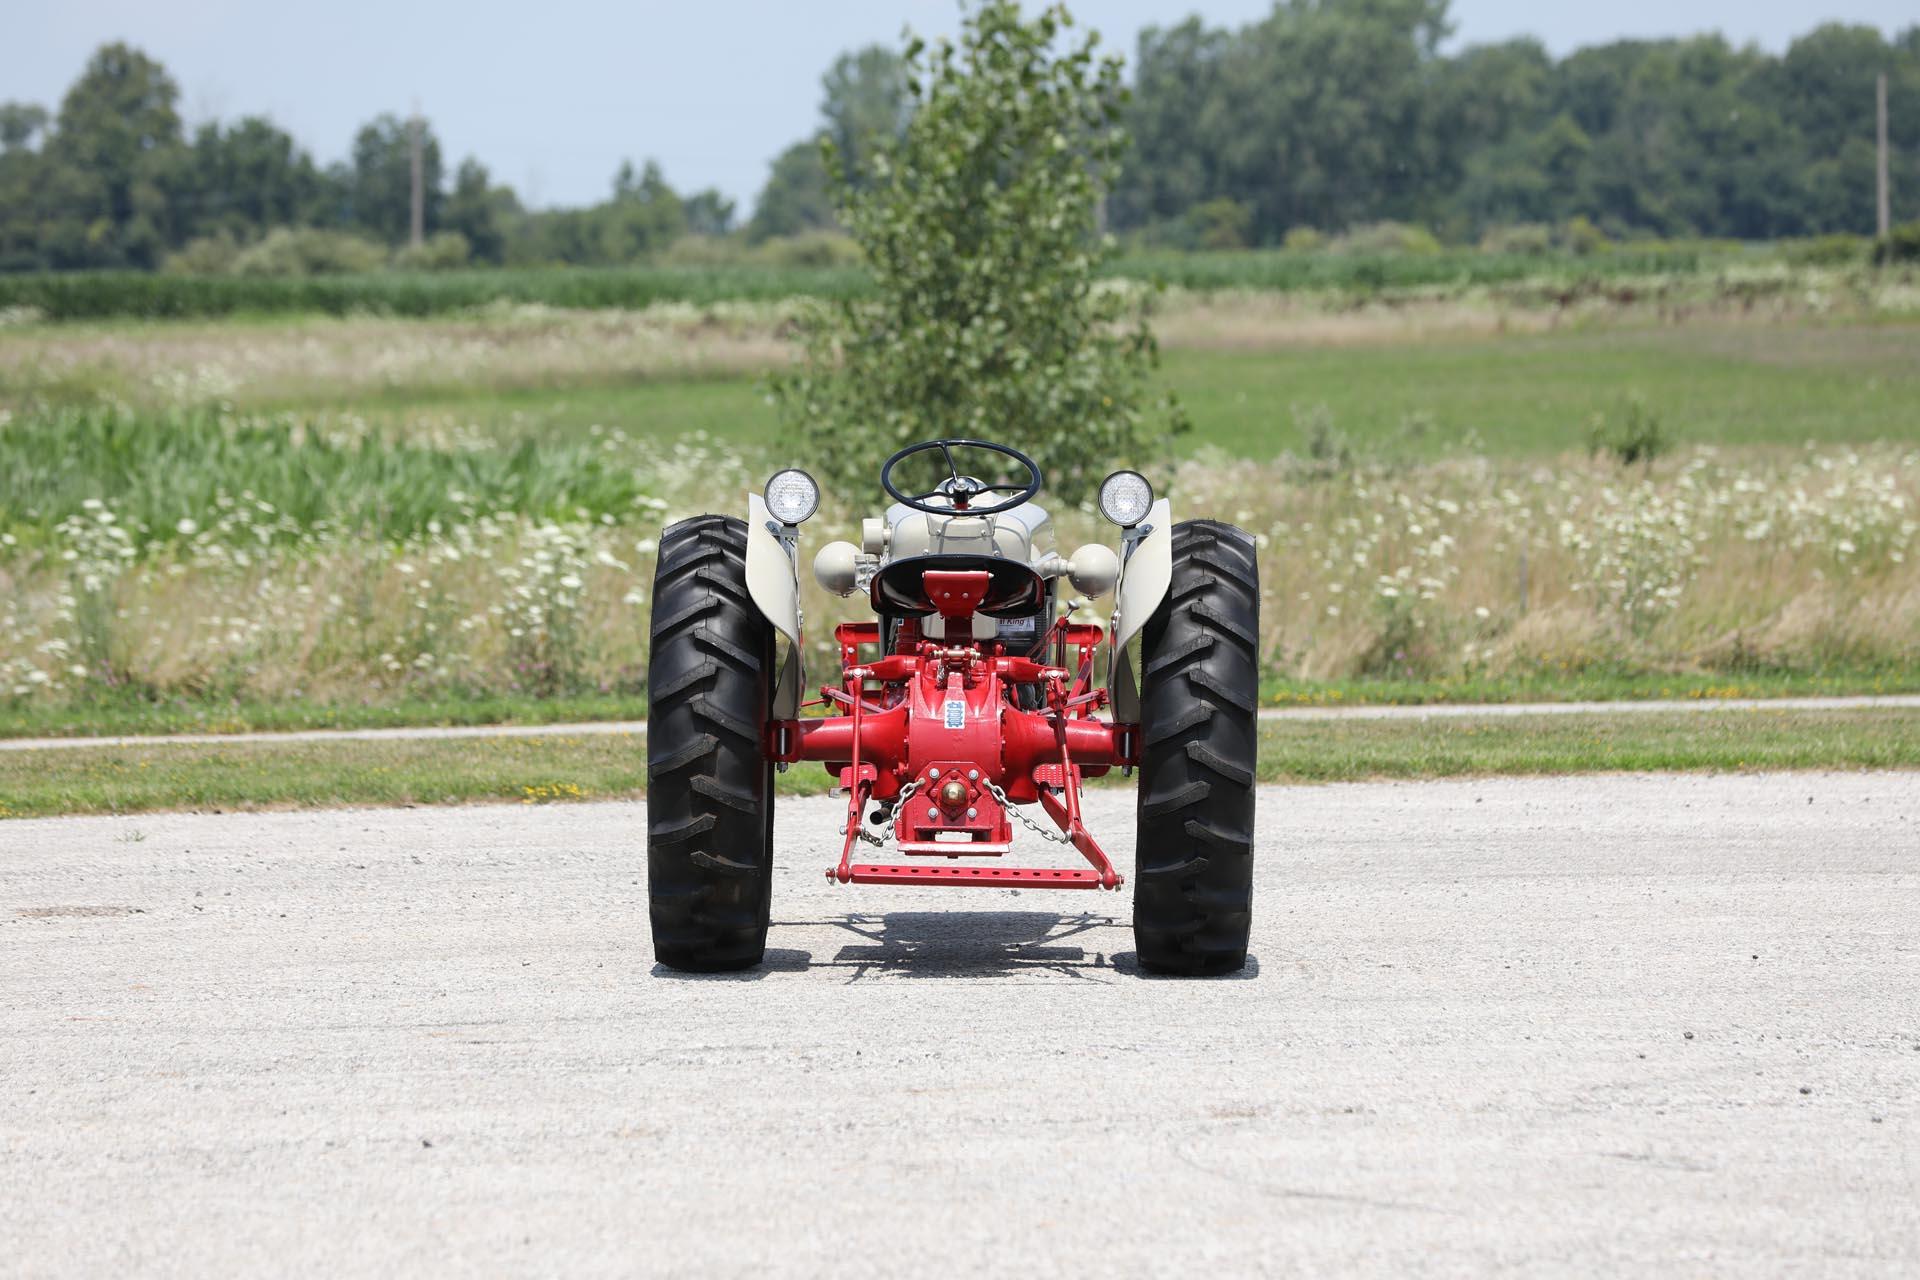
171	475
382	580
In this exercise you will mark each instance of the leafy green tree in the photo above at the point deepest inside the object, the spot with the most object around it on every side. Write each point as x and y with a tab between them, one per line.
20	122
244	179
1313	116
645	216
709	213
979	230
114	154
21	247
1823	84
480	212
798	195
571	236
20	170
382	178
865	104
1178	123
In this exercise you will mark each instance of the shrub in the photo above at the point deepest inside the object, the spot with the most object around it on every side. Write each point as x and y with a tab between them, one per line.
1529	239
1580	236
1638	435
703	251
1388	237
1220	224
1303	240
1828	251
1902	244
203	256
308	251
441	251
808	249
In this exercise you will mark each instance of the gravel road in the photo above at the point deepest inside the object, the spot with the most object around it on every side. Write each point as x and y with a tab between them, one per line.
1622	1024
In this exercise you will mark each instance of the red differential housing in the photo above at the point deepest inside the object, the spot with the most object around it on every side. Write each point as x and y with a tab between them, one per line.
948	737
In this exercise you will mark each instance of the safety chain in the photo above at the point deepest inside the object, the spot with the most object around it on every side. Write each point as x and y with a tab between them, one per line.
1056	837
906	794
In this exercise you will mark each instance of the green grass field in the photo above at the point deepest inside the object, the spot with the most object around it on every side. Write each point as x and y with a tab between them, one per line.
613	766
1535	394
1521	395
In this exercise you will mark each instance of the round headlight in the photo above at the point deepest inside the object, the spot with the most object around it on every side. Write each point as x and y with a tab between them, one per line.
1125	498
792	496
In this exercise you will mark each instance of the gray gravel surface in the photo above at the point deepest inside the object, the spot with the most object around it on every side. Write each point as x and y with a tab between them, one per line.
1624	1024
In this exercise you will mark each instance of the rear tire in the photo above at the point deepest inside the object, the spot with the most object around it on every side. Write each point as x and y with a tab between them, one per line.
1200	689
709	777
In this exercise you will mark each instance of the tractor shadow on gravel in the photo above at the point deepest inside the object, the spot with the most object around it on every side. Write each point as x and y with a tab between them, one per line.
968	945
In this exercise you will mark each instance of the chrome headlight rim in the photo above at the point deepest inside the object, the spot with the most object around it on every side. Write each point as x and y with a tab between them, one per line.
1142	498
782	508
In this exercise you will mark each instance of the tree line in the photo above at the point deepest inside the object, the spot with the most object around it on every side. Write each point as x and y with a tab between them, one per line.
1332	113
1323	117
113	179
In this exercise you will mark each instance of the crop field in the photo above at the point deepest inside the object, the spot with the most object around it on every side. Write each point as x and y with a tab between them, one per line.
142	295
310	519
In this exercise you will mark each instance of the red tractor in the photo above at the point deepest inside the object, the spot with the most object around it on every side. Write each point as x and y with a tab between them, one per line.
968	700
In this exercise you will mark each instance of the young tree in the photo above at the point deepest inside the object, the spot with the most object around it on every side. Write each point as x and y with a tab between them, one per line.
645	215
797	196
986	318
480	211
383	177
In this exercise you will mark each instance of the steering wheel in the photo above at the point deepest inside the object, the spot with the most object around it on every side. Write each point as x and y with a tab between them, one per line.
958	489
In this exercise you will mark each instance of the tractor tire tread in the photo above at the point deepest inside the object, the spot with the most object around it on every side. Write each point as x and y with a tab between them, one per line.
1193	884
709	777
1179	654
697	748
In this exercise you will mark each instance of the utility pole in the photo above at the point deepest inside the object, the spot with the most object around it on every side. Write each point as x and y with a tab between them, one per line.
1885	204
419	223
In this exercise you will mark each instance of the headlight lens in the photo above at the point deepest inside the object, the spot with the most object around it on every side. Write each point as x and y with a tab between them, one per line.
792	496
1125	498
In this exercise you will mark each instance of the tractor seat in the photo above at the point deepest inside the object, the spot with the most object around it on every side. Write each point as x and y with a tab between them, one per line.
1013	588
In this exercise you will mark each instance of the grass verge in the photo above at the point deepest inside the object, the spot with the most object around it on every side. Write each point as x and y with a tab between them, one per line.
601	767
107	717
1679	741
1589	684
110	717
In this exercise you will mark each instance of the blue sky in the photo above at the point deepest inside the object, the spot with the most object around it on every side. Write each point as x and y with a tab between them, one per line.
552	96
